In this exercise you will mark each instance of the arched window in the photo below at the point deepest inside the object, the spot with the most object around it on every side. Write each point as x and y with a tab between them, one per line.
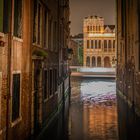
88	61
87	28
99	44
93	62
99	61
90	28
105	45
113	45
95	44
92	44
99	28
109	46
94	28
87	44
107	62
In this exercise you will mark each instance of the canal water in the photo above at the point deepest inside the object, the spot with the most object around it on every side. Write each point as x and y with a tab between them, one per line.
92	113
93	110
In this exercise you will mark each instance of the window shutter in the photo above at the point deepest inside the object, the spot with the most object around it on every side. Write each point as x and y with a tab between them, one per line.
1	15
16	97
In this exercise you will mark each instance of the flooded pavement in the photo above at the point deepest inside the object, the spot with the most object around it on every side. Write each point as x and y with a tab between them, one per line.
93	110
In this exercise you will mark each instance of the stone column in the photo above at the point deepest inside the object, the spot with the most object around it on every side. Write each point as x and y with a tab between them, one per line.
90	61
84	59
107	45
112	45
96	61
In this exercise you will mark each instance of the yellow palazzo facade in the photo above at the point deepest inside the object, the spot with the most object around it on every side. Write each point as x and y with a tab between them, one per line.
99	43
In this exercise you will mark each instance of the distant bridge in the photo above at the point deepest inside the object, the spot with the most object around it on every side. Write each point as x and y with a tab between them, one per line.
77	71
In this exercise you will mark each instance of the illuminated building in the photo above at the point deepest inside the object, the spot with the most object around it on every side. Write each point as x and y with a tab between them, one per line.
99	43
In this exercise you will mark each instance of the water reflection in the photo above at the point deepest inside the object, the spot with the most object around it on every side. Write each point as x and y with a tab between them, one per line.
92	114
93	111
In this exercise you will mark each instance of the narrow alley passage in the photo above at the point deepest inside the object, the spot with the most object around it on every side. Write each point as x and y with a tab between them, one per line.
39	98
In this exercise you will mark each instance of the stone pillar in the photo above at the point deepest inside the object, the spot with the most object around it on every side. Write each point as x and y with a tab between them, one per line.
84	52
96	61
112	45
90	65
107	45
110	61
102	45
84	59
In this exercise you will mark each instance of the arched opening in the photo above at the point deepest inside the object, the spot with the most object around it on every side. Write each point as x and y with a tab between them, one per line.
105	45
95	44
109	46
99	61
107	62
99	44
88	61
93	62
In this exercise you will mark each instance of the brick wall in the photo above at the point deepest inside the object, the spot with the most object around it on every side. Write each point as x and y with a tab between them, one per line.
128	76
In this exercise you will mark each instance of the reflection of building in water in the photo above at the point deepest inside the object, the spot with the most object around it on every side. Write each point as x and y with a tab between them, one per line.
99	43
100	121
93	113
76	111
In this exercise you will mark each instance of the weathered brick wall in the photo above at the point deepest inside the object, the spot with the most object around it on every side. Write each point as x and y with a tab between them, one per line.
4	86
21	62
128	76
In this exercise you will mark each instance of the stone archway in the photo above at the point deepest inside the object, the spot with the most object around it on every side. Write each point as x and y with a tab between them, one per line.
98	61
107	62
88	61
93	61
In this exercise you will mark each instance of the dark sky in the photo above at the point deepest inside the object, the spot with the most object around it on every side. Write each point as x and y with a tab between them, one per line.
82	8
